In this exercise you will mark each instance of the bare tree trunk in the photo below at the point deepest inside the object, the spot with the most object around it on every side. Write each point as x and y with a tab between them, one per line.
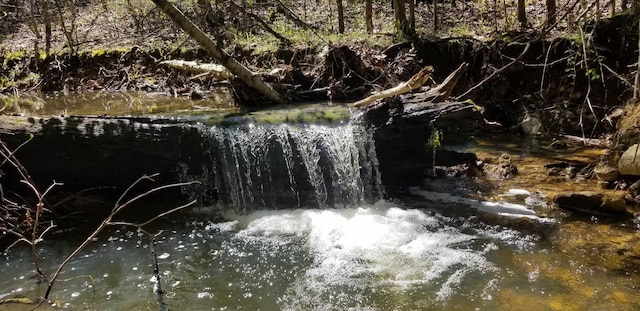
47	27
220	55
435	16
412	16
551	12
636	84
68	33
522	15
368	15
400	16
340	16
613	7
34	26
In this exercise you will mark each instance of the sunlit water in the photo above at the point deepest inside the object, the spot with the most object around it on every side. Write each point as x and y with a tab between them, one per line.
381	257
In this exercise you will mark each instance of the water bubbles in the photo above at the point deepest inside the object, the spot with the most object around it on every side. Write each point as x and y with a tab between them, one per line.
533	275
203	295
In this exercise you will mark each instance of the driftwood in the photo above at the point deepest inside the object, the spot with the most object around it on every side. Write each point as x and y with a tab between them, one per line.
435	94
415	82
219	72
442	91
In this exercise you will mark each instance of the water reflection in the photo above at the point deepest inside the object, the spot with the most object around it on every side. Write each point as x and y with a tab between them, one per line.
115	104
380	257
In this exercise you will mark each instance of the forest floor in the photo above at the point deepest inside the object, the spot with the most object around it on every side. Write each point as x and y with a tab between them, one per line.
102	24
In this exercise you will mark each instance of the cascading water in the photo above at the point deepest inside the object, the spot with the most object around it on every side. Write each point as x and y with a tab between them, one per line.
284	166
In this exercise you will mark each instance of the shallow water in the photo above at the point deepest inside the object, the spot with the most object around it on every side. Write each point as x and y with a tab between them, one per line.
115	104
381	257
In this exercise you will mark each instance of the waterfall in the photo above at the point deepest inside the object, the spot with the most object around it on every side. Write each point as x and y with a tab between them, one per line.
288	166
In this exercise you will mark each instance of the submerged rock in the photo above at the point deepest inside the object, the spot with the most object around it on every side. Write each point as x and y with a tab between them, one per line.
634	193
591	202
629	163
504	169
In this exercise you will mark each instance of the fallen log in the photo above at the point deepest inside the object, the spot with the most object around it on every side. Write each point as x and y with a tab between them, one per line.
441	92
244	74
219	72
436	94
417	81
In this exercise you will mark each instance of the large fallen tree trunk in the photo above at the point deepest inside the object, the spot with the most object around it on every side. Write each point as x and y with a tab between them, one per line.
216	52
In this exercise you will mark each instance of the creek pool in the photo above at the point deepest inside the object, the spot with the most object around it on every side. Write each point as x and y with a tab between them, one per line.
386	256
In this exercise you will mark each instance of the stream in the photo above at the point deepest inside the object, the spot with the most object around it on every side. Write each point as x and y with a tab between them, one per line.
301	225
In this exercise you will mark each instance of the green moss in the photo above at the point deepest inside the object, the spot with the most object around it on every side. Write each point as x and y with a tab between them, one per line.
286	115
98	52
10	57
14	55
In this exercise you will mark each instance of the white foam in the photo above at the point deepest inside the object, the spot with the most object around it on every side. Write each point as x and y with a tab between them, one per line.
499	208
518	192
355	248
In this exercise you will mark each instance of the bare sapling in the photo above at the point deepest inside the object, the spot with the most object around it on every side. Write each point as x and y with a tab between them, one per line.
119	206
26	223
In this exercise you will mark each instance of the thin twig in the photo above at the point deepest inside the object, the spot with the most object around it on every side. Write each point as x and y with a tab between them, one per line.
587	98
167	213
497	72
144	177
544	69
107	221
617	75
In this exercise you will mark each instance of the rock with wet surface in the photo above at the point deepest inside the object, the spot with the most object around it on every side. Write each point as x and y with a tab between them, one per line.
629	163
531	125
504	169
634	193
592	202
606	172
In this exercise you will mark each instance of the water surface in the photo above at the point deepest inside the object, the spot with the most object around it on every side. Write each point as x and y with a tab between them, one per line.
380	257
